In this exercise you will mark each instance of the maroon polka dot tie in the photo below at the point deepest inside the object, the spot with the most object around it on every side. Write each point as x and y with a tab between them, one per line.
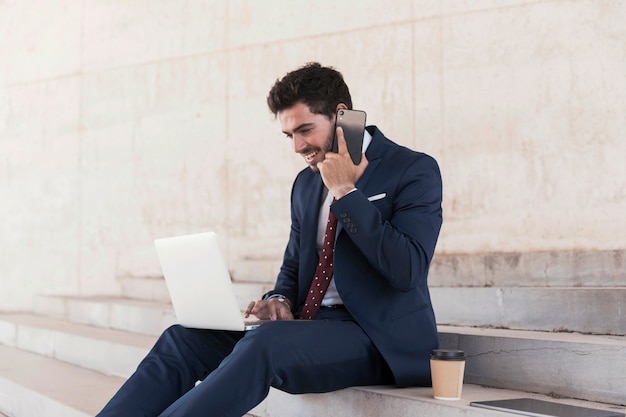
323	273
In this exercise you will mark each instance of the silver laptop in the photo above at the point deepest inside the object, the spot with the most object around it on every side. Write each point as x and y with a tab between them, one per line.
199	283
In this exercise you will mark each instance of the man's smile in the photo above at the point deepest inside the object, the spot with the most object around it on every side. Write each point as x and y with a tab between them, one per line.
310	156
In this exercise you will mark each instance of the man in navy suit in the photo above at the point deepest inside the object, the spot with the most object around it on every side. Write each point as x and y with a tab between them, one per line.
375	325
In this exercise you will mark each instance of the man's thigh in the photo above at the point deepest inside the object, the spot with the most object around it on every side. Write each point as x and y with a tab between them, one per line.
316	355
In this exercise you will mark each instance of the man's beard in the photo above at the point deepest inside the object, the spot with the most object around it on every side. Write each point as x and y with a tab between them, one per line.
328	146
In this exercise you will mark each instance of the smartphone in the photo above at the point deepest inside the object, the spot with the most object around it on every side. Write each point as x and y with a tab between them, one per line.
353	124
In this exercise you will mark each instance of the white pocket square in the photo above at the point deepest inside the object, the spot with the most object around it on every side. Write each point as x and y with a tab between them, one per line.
377	197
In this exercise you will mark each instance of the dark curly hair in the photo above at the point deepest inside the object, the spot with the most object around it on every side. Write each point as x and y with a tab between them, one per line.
320	88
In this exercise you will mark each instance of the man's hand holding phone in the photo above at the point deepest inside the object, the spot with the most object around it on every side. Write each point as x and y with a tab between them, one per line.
338	171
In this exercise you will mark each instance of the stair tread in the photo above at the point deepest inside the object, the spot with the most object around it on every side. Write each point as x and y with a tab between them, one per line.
87	391
115	335
62	382
568	337
79	388
87	331
540	353
108	299
387	400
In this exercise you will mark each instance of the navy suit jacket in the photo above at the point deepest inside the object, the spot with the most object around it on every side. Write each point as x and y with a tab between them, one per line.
386	237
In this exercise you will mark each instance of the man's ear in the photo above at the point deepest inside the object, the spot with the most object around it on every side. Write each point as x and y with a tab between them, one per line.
339	106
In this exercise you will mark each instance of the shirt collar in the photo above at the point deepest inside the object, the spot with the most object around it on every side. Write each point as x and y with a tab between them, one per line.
367	139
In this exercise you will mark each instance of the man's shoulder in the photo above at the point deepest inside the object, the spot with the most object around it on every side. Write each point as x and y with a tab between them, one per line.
306	174
307	179
394	152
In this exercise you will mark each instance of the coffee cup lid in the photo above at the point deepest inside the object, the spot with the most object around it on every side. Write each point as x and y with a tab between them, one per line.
448	355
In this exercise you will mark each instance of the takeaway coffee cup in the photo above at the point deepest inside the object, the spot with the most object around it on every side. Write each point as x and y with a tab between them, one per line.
447	367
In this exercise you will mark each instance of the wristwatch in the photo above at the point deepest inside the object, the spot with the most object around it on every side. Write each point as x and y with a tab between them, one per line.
280	298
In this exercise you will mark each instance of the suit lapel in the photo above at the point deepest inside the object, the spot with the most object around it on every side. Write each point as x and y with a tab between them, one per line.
373	154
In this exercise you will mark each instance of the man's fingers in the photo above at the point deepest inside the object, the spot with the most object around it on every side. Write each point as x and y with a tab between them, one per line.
272	309
342	147
281	311
250	308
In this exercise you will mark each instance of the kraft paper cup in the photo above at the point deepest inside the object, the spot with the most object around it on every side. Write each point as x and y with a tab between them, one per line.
447	368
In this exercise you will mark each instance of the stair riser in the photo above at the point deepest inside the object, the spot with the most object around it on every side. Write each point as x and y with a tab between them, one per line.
255	270
107	357
594	372
363	404
109	315
585	310
530	269
152	289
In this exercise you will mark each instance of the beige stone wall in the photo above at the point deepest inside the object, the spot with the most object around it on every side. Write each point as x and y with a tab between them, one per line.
123	121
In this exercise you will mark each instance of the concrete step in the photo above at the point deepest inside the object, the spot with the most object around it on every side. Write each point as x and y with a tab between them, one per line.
150	288
261	269
585	310
108	351
34	385
155	289
594	310
581	366
561	364
602	268
406	402
135	315
139	316
589	367
247	291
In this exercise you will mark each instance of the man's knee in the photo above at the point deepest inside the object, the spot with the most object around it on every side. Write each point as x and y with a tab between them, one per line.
175	331
172	336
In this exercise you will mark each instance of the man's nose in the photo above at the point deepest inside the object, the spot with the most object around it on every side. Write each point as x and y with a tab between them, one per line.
298	144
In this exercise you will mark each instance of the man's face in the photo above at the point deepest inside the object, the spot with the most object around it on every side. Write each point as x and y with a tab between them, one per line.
311	134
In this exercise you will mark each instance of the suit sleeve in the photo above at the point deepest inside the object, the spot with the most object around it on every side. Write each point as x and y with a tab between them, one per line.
399	235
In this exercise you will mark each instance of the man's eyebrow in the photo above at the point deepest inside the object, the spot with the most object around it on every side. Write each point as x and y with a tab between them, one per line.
300	127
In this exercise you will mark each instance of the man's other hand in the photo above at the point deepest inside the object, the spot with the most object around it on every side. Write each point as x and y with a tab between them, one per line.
271	309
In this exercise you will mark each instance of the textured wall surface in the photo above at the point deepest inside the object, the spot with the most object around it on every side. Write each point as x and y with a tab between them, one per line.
125	121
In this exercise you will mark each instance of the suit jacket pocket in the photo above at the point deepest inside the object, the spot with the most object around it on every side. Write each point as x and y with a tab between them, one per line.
384	207
377	197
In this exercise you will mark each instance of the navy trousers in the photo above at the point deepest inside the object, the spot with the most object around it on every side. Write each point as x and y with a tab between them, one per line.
237	369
